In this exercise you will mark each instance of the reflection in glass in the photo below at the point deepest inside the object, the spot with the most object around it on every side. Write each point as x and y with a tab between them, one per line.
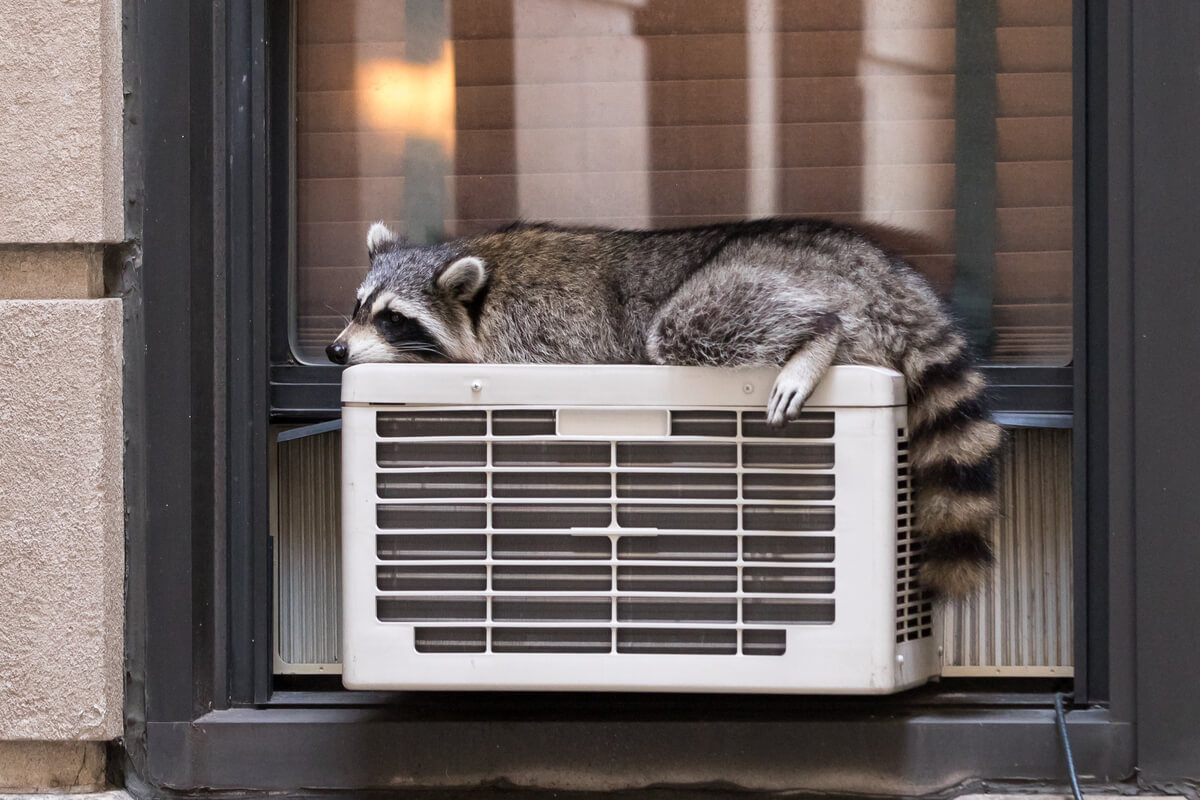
950	139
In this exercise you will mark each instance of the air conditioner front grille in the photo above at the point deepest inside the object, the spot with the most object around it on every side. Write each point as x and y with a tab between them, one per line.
651	528
626	528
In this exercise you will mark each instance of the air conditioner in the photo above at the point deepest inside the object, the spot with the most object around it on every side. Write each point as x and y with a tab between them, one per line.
627	528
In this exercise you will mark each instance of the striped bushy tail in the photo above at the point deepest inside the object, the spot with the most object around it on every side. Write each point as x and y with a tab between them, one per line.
954	446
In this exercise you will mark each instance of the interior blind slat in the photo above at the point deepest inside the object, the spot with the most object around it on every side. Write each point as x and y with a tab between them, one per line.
333	66
1041	228
807	190
1033	12
708	102
491	19
341	21
372	154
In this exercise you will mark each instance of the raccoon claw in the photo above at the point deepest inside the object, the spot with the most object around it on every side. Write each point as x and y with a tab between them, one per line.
785	404
787	399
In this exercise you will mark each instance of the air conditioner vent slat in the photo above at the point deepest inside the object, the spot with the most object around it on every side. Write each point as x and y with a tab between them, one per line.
704	423
551	640
758	642
431	454
788	518
678	547
431	578
550	546
677	485
586	543
672	454
430	485
551	484
424	517
678	641
676	579
432	609
526	578
450	640
551	453
810	425
678	517
565	516
788	548
423	546
523	422
551	609
679	609
788	580
396	424
787	486
807	612
787	455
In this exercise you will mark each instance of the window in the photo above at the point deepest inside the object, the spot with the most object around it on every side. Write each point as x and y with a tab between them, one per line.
950	138
201	709
943	127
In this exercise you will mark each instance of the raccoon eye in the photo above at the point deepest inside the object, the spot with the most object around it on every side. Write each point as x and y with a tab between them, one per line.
395	318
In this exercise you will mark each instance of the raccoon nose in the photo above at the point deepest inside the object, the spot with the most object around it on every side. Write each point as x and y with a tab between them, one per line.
337	352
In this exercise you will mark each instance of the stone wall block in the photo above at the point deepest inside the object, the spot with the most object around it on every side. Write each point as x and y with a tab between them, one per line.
61	520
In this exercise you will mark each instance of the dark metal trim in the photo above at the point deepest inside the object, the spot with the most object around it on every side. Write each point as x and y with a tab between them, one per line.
1164	351
1111	497
1085	42
280	113
305	431
173	433
765	749
245	383
1104	395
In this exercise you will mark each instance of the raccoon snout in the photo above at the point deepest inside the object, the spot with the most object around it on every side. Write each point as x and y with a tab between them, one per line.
338	353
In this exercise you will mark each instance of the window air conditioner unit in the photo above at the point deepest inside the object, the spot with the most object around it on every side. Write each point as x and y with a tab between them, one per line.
627	528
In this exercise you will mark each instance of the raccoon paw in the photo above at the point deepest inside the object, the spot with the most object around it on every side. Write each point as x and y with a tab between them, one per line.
791	389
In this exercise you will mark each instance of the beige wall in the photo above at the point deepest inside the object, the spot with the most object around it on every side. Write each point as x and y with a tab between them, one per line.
61	519
61	437
39	272
60	130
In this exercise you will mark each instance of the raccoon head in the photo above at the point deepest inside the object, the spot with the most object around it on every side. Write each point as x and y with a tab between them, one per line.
414	304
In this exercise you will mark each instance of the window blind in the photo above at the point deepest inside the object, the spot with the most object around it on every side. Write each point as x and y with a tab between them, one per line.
452	118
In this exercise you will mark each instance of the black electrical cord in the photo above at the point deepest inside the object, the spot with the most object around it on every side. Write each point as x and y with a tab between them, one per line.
1062	731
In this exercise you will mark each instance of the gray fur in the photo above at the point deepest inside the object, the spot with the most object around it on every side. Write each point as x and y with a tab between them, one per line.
797	294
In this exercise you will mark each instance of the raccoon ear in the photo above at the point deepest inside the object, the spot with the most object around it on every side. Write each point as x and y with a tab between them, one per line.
380	238
461	279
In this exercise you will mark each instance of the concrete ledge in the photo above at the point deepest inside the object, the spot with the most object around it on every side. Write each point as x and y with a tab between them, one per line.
61	520
44	273
51	767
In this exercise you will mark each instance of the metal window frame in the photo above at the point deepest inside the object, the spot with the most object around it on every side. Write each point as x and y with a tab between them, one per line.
1034	396
200	712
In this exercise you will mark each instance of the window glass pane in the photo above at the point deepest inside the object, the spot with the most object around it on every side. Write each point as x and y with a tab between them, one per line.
949	137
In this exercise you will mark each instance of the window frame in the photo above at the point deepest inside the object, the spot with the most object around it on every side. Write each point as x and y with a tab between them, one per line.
200	395
1023	395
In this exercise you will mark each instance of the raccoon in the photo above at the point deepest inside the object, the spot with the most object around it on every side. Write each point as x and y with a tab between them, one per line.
796	294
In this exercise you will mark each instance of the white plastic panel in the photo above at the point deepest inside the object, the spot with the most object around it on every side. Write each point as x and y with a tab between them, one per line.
663	539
